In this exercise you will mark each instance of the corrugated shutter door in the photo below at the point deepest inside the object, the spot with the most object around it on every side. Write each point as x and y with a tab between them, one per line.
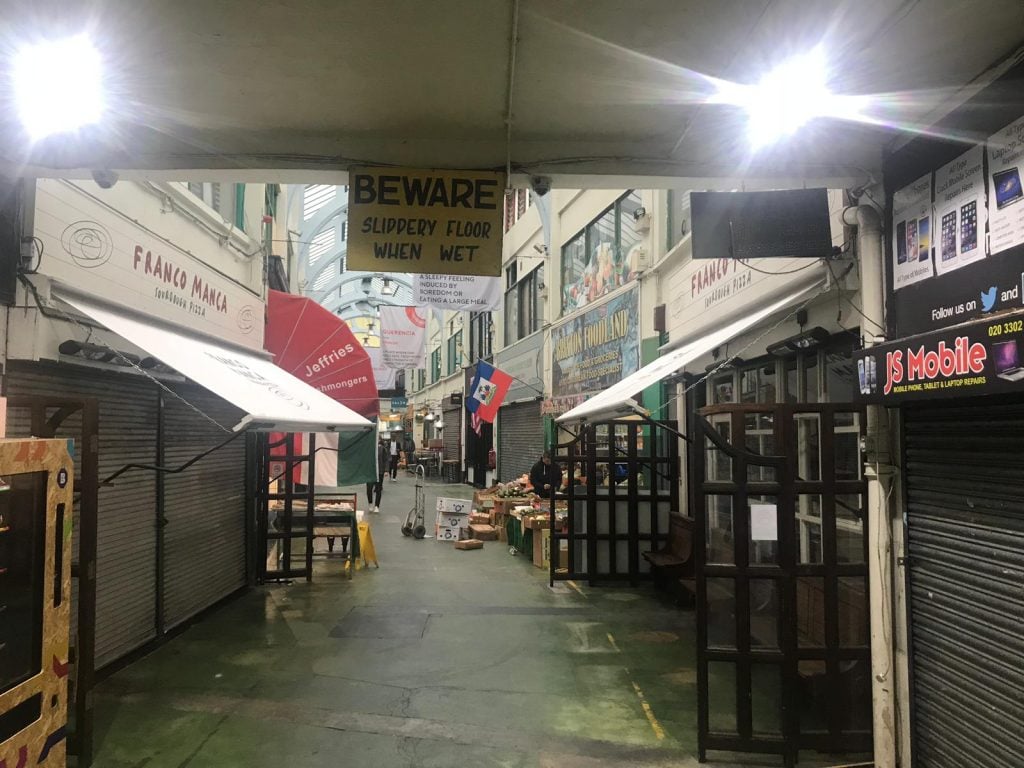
451	433
520	439
126	546
965	518
204	538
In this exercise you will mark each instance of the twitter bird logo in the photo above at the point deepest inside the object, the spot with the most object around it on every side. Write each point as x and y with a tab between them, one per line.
988	299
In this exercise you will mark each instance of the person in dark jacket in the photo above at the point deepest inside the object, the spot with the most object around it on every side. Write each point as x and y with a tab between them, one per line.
374	490
545	477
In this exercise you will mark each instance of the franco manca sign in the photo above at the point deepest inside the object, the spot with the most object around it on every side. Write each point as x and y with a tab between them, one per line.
976	359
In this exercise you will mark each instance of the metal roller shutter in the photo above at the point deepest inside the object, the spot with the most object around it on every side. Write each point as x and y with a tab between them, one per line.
452	432
965	526
204	537
520	439
126	546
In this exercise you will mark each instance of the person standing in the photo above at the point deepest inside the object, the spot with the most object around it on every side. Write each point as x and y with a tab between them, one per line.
375	490
394	458
546	477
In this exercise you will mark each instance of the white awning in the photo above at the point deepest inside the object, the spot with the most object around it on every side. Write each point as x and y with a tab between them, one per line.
272	398
617	400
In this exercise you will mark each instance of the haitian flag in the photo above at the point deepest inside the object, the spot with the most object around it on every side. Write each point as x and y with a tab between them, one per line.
488	389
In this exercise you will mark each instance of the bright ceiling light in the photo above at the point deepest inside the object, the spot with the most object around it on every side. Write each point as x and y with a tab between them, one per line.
787	98
58	86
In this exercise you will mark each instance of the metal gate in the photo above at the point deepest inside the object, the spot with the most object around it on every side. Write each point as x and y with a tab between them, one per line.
126	564
203	515
520	439
965	531
623	481
783	657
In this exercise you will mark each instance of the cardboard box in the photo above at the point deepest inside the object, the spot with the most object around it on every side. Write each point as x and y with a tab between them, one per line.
484	532
469	544
479	518
542	550
453	506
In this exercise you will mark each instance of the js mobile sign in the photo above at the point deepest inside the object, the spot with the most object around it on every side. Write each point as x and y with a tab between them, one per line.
975	359
425	222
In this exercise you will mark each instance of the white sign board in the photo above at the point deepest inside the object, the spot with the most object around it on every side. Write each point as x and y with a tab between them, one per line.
764	525
912	210
94	249
458	293
959	212
1006	195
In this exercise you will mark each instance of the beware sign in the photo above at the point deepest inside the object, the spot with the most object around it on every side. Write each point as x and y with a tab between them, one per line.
423	221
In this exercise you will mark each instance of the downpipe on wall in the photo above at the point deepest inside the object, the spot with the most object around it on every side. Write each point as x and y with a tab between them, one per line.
879	472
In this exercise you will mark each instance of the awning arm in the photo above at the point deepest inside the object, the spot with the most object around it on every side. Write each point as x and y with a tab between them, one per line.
167	470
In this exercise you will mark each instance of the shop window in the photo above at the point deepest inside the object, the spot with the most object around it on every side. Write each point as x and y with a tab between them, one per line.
454	352
435	365
603	256
522	307
481	336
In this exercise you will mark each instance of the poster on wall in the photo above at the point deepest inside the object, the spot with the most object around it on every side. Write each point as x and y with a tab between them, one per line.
597	348
911	214
1006	195
960	213
403	337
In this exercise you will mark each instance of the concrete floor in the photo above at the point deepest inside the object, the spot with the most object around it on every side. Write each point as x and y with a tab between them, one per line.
439	658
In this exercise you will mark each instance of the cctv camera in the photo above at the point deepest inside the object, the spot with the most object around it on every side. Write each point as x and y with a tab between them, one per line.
541	185
106	179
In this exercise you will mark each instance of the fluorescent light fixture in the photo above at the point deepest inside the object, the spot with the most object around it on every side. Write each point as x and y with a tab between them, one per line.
58	86
787	98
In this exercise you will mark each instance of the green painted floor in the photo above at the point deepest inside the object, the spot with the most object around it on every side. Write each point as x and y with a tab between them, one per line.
439	658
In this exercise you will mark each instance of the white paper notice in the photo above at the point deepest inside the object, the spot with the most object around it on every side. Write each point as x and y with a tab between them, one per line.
911	207
458	293
1005	194
959	213
764	525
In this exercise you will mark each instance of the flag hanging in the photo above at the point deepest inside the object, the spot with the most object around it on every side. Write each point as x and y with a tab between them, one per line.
477	423
487	391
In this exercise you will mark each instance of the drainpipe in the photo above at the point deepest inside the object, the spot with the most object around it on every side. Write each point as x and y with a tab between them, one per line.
878	470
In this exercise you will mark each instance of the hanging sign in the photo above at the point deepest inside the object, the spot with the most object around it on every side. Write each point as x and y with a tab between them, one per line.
458	293
403	337
425	221
980	358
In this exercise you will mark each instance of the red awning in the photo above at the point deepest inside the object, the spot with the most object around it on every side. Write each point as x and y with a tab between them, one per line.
318	347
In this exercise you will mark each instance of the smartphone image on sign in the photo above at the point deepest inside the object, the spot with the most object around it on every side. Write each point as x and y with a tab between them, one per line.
969	226
924	238
948	246
912	239
901	242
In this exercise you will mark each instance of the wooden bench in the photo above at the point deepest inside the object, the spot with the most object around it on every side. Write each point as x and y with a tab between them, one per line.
674	562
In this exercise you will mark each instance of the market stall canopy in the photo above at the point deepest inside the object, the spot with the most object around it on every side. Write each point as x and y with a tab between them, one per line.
319	348
617	400
272	399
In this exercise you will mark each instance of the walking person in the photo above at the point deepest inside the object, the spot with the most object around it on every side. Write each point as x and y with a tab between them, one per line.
374	490
546	477
394	458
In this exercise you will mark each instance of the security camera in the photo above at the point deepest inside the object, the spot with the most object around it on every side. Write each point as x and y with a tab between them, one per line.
106	179
540	185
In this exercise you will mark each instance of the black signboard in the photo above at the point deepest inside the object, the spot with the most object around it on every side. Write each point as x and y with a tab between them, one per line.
981	358
955	224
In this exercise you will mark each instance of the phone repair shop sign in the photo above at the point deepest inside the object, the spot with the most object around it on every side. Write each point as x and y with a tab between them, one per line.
981	358
425	222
